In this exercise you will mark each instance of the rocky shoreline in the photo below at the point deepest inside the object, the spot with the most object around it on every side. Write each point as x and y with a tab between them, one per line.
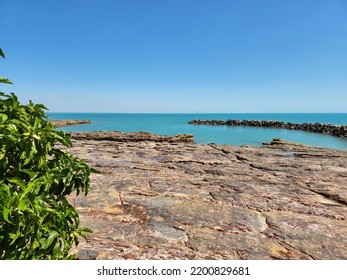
172	200
131	137
328	129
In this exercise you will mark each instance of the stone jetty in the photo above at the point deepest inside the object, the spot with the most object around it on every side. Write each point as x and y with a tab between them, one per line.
329	129
178	200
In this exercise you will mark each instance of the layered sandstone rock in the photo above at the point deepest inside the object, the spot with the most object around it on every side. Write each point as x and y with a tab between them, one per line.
161	200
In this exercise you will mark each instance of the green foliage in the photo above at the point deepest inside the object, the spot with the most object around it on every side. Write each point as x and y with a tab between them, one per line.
36	219
3	80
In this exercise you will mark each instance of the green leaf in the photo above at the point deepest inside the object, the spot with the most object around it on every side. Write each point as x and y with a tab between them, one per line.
5	213
57	249
11	137
5	81
3	118
29	172
2	53
18	182
33	152
48	241
37	137
15	236
31	186
22	205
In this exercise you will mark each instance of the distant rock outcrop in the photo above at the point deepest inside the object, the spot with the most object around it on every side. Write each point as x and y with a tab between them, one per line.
329	129
63	123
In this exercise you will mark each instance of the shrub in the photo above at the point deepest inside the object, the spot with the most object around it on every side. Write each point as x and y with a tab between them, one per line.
36	219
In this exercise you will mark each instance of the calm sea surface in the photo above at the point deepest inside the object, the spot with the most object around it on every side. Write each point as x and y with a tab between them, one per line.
171	124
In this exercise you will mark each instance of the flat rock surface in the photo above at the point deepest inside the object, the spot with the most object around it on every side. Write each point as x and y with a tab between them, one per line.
132	137
63	123
161	200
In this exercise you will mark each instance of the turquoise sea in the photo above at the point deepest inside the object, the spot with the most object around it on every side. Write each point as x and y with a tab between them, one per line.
171	124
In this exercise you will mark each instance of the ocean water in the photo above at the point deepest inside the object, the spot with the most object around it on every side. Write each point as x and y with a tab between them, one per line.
171	124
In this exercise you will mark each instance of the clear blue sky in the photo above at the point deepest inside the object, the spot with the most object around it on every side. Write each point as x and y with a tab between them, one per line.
176	55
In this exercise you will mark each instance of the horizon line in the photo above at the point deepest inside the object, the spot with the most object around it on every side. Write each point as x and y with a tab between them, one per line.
194	113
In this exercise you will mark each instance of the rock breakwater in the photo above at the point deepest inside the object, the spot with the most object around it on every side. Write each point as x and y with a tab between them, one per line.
162	200
328	129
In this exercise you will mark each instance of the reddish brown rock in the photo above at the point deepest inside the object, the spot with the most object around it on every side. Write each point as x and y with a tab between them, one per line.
161	200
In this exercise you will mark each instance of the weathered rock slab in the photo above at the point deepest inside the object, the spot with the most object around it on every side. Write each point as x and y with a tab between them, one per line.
161	200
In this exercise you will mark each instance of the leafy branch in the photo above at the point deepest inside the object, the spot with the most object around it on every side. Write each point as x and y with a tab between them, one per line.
36	219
